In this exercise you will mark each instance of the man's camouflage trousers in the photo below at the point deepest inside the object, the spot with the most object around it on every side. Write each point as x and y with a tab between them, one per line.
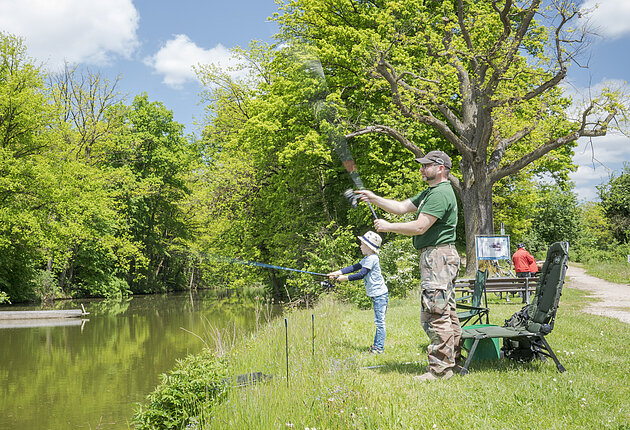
439	267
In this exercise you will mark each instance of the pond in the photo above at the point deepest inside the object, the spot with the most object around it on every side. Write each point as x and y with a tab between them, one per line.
92	374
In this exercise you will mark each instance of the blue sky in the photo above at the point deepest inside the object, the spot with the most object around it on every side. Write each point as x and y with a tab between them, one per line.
152	44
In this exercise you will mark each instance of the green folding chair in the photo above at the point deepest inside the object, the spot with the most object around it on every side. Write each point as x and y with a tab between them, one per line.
524	333
474	312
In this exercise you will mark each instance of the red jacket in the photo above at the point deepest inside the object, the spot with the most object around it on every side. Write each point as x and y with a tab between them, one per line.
524	261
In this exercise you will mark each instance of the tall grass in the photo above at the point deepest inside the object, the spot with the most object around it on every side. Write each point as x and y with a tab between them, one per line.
341	386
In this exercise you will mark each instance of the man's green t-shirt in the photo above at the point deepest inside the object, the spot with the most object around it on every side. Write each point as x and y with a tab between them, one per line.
439	201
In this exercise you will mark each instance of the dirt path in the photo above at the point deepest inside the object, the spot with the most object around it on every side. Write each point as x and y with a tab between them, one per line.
613	299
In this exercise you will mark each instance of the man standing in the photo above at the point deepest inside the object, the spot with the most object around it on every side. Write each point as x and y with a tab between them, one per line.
524	262
433	233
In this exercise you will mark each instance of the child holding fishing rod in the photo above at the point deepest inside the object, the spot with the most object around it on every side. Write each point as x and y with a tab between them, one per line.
369	269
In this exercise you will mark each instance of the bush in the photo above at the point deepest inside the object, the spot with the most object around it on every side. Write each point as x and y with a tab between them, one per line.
185	394
401	266
46	286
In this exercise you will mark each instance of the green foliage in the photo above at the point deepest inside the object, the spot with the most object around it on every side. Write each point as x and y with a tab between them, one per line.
92	192
187	392
158	160
17	271
333	248
611	265
555	218
400	266
46	286
615	197
595	233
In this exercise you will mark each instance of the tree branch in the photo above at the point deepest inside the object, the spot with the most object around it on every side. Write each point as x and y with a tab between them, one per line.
391	132
504	144
417	152
387	71
520	33
599	129
560	75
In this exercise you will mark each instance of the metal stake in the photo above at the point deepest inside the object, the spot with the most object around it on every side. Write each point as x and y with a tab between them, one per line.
286	343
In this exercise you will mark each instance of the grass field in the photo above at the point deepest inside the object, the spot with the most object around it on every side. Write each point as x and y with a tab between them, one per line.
613	271
341	386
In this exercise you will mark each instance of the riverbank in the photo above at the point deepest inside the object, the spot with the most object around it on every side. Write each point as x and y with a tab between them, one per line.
337	384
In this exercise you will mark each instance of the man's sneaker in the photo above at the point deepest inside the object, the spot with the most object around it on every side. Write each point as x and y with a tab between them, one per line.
429	376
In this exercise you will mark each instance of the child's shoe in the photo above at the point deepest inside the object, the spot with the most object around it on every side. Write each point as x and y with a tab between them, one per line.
376	350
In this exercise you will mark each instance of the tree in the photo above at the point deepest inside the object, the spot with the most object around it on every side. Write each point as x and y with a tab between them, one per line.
482	76
615	196
595	233
85	101
556	217
24	114
274	183
154	162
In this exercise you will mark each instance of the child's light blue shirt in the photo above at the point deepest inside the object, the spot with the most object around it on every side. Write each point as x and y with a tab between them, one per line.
374	281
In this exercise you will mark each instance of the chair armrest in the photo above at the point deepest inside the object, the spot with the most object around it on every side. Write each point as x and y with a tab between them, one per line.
472	308
462	298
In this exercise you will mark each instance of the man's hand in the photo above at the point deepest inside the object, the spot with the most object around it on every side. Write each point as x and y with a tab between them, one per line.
365	195
381	225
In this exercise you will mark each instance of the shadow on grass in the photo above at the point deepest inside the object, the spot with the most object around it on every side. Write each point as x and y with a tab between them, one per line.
416	368
351	346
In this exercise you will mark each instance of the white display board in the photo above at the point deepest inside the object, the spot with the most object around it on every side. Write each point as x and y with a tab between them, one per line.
493	247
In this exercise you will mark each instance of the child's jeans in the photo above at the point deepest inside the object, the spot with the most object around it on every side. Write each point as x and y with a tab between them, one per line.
380	309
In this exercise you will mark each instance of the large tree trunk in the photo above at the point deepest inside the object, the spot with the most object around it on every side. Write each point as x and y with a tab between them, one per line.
477	207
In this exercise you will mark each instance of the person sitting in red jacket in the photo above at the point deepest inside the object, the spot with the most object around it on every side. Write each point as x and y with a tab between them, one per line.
524	262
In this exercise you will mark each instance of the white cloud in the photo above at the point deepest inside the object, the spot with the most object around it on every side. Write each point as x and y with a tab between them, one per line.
77	31
175	60
609	150
609	18
598	157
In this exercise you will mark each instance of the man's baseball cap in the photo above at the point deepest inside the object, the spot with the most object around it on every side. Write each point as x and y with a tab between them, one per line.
437	157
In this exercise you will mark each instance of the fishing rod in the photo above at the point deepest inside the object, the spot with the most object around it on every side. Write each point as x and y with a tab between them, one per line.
325	110
271	266
325	283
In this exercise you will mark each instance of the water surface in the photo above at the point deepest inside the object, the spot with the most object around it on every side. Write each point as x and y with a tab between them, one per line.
91	374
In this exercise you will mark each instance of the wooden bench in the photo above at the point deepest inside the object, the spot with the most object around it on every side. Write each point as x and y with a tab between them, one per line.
526	286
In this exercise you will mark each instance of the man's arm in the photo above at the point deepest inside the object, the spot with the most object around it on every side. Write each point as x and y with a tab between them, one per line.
411	228
530	258
392	206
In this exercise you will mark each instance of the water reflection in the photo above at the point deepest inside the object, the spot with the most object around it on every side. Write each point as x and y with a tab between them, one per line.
90	375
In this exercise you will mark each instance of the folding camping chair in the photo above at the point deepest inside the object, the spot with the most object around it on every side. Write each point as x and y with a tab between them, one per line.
524	333
475	311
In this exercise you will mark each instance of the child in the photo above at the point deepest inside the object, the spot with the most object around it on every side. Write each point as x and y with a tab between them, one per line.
369	269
